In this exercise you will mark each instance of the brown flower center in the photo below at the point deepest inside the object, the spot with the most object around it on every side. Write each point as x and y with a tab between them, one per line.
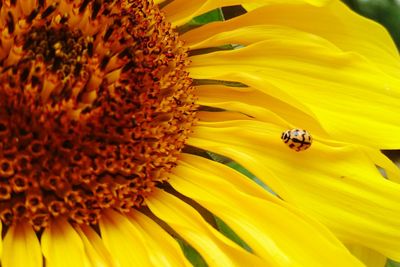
95	107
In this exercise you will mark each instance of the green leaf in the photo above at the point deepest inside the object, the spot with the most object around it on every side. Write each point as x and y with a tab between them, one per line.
229	233
391	263
211	16
219	158
192	255
241	169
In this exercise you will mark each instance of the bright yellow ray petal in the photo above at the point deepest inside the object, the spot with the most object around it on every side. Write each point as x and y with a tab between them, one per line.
337	87
235	154
124	242
339	185
231	98
271	231
336	23
369	257
251	110
247	186
94	248
1	241
162	248
216	249
220	171
250	7
181	11
391	170
248	35
21	247
62	246
255	106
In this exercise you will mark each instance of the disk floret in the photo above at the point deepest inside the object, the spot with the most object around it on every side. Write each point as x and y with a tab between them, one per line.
95	107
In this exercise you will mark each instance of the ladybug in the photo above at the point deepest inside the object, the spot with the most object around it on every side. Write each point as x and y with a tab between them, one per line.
297	139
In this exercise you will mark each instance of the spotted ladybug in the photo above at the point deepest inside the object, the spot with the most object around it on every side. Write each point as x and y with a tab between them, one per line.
297	139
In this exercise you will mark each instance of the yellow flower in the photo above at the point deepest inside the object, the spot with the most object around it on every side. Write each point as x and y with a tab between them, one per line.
107	114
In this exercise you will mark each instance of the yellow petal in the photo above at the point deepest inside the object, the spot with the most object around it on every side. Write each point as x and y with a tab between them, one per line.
335	86
94	248
272	231
252	110
21	247
250	7
124	242
391	170
231	98
338	185
1	241
62	246
162	248
336	23
252	102
181	11
215	248
219	171
247	35
369	257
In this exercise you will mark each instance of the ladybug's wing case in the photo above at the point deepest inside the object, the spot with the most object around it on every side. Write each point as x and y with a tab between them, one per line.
297	139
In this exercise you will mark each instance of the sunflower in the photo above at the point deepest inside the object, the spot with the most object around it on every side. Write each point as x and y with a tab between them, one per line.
112	113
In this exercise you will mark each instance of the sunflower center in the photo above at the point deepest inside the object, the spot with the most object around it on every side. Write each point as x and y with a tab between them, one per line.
95	107
63	51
